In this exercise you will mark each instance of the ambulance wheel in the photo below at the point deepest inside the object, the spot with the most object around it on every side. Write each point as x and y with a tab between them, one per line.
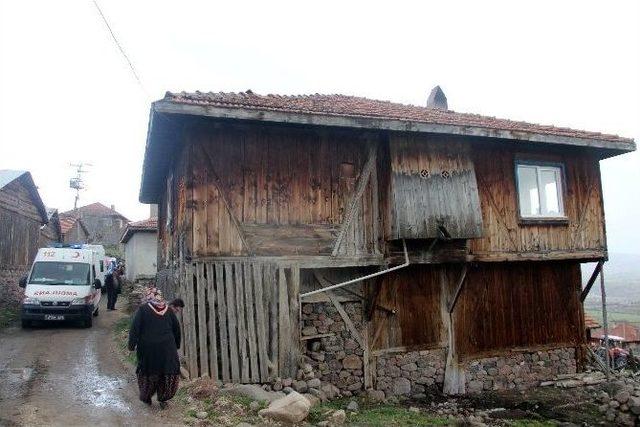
88	322
95	313
26	324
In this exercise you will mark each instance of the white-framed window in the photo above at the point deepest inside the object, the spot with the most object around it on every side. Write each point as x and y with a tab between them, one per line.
540	190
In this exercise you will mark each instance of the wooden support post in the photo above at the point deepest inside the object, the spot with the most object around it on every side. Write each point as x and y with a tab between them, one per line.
461	280
605	324
591	281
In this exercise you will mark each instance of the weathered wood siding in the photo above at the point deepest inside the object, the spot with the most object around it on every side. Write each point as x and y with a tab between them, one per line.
241	321
505	237
432	189
278	192
518	305
20	224
414	293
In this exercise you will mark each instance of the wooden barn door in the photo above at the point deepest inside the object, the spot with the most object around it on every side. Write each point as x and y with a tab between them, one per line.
241	321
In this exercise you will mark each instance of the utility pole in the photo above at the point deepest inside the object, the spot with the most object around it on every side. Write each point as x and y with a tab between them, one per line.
77	183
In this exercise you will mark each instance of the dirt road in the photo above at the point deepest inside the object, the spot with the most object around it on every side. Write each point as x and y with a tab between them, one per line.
66	375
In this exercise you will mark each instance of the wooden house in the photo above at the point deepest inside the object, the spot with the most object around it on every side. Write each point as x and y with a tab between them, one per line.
468	230
22	215
52	231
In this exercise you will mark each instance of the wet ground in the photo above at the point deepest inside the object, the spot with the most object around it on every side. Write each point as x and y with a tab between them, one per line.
63	374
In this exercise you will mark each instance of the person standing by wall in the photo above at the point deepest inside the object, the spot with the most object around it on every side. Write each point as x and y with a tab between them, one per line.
111	283
155	335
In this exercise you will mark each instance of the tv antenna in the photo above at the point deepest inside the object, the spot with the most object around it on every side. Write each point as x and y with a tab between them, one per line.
76	182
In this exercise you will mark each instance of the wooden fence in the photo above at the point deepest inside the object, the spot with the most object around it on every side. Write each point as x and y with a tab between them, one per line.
241	321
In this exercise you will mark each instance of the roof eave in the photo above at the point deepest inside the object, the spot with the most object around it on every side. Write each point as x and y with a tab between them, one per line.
319	119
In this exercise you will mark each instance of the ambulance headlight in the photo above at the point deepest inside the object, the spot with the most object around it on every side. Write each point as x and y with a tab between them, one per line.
78	301
31	301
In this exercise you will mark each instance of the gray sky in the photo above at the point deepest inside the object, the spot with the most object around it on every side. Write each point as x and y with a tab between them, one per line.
67	95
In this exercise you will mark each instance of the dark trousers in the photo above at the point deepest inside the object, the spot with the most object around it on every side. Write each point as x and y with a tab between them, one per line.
112	297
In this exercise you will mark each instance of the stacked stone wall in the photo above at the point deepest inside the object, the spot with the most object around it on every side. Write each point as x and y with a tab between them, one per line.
410	373
10	293
519	371
337	358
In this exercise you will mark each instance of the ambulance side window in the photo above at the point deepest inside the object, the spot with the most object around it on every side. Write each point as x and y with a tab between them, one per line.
101	266
93	270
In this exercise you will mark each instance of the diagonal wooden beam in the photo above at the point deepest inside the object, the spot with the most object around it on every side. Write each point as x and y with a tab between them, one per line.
345	317
223	195
591	281
461	280
363	180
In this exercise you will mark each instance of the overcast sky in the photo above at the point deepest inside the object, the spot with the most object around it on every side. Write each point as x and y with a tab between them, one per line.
67	94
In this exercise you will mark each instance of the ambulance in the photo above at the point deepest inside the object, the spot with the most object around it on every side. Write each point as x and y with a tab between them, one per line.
63	284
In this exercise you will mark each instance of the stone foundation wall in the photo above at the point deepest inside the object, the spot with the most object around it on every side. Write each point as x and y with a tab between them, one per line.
519	371
336	359
10	293
410	373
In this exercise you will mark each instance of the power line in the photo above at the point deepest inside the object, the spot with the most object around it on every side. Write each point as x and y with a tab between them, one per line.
115	39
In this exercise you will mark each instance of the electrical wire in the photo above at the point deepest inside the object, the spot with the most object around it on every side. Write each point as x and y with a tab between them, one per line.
115	39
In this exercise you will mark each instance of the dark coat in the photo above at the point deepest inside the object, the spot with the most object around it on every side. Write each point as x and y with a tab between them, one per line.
156	339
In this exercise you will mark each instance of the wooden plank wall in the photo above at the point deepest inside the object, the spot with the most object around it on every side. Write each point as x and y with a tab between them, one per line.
280	191
414	293
502	306
433	184
241	321
20	224
505	236
516	305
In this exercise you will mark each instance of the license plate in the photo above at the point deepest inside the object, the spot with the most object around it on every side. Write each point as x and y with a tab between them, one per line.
53	317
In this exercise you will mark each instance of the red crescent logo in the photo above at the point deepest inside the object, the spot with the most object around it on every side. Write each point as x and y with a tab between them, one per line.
76	255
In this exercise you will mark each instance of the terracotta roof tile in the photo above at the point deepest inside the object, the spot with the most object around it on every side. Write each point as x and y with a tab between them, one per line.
97	209
590	322
150	224
353	106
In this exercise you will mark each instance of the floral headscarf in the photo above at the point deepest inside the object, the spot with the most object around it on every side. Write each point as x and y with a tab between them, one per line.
153	297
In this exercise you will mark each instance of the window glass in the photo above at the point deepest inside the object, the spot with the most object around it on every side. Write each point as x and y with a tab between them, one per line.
528	189
540	191
60	273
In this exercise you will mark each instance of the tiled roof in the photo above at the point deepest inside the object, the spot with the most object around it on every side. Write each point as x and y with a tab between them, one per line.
353	106
150	224
590	322
67	223
96	209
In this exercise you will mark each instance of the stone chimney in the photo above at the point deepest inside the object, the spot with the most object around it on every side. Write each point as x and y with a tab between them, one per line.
153	211
113	207
437	99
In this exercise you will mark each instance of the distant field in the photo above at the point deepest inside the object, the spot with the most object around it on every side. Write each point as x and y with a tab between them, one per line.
614	316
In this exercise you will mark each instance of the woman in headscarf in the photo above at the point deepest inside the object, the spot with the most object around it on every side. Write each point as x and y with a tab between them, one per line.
155	335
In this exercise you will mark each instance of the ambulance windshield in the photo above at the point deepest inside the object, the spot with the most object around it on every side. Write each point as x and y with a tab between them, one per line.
60	273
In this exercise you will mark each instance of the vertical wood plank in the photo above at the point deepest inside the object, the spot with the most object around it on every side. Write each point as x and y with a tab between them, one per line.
212	325
251	323
232	322
241	308
271	282
293	295
222	320
284	324
260	322
193	356
202	320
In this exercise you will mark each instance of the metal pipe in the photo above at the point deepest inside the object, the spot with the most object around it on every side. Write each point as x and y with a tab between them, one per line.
369	276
